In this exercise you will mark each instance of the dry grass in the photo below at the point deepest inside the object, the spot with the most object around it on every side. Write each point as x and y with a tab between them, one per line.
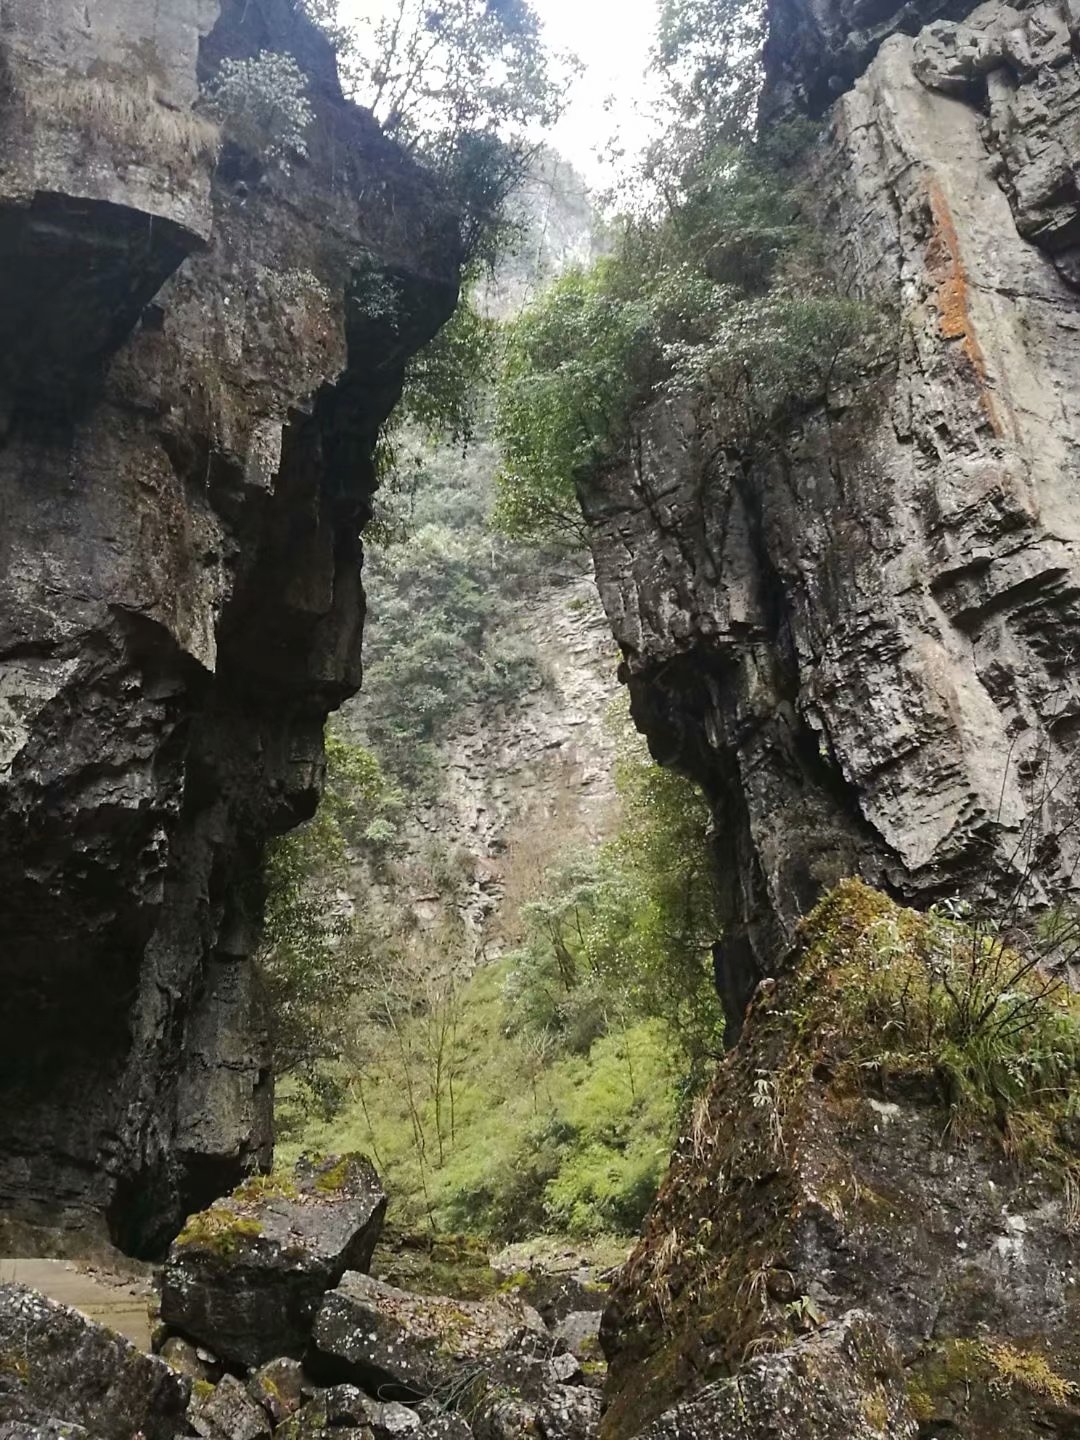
130	116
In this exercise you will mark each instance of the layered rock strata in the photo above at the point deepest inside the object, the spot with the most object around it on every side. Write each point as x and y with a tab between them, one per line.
198	351
861	641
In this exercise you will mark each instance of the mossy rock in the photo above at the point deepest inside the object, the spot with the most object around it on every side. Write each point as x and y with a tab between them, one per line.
851	1154
246	1276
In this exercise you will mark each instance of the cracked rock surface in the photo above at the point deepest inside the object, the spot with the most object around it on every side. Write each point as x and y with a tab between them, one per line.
186	438
862	642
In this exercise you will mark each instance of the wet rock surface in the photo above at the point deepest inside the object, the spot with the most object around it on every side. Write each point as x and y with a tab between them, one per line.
246	1277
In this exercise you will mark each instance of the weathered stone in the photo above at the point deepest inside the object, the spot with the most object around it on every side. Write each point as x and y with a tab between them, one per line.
796	1196
279	1387
247	1276
183	1357
191	390
404	1347
228	1413
58	1368
42	1430
580	1333
844	1383
387	1420
859	640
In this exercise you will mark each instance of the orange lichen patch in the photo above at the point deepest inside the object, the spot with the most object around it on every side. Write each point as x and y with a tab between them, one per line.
945	264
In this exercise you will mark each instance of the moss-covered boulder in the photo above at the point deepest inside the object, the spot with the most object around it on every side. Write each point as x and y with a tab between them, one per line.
59	1371
246	1277
894	1134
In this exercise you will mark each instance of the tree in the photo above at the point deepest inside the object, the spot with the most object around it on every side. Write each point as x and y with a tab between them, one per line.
314	954
462	84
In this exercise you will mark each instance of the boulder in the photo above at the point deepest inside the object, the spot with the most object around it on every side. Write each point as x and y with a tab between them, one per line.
278	1386
61	1370
229	1413
401	1346
843	1383
580	1333
246	1276
187	1359
387	1420
42	1430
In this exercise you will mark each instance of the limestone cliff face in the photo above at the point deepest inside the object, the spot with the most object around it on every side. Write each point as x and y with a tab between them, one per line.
191	385
863	642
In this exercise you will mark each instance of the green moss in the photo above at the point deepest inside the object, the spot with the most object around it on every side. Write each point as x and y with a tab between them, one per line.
333	1180
978	1375
864	1010
220	1230
276	1186
202	1389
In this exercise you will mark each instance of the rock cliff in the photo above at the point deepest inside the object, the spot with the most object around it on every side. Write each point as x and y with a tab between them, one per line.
861	641
193	376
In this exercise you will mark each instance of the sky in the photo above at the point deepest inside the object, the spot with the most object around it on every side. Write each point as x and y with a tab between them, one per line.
612	39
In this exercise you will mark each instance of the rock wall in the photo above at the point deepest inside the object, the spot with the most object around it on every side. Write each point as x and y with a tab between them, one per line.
863	643
519	784
191	385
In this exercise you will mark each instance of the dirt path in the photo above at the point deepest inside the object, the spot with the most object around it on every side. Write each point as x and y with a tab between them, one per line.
112	1300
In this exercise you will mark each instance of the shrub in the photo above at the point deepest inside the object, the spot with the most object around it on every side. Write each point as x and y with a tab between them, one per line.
262	104
944	996
719	299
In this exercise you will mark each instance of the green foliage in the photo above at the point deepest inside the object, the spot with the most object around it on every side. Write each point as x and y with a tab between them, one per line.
715	294
541	1093
532	1141
441	602
626	933
464	85
313	955
574	372
447	383
945	997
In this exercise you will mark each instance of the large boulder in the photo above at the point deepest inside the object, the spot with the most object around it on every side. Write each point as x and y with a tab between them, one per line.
246	1276
59	1370
401	1346
493	1361
837	1165
845	1383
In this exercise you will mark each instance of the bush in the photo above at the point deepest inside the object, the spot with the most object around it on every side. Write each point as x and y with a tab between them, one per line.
719	298
627	933
262	104
314	954
945	998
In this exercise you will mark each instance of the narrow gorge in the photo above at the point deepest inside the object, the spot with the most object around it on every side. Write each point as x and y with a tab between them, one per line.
803	425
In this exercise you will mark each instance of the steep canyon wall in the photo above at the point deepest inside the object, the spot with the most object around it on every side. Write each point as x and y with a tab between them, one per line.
862	640
192	378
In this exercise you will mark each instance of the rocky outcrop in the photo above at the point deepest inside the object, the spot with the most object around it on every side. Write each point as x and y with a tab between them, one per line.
843	1246
365	1360
192	380
861	640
